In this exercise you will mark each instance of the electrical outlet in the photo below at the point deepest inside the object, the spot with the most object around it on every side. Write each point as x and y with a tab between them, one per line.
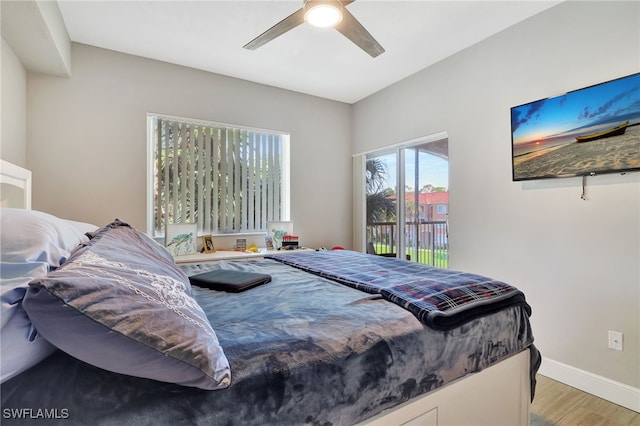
615	340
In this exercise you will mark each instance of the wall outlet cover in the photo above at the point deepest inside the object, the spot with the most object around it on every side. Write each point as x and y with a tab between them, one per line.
615	340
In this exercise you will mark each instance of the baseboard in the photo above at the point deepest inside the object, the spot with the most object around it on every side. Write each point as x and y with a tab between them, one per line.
616	392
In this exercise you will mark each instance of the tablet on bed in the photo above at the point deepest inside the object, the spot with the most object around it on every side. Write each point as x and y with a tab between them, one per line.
229	280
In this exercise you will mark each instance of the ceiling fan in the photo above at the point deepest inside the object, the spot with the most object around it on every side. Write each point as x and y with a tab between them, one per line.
323	13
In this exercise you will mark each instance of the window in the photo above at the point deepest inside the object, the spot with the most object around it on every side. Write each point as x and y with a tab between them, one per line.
225	178
404	200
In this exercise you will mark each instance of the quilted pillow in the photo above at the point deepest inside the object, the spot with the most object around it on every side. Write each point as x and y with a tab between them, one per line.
120	304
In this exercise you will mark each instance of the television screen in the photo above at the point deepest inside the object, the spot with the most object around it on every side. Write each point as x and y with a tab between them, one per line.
589	131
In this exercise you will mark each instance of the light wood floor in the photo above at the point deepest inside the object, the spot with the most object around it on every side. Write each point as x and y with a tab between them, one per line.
563	405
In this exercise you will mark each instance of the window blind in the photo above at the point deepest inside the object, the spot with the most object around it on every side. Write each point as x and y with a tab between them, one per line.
226	179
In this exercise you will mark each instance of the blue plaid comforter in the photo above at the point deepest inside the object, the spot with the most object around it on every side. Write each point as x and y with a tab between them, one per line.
440	298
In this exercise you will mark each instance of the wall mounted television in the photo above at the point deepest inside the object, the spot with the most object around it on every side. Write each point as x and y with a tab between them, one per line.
590	131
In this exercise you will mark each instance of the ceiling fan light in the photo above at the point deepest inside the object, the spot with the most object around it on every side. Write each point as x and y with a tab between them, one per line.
323	15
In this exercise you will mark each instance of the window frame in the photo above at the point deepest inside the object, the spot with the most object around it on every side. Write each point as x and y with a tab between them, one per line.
285	197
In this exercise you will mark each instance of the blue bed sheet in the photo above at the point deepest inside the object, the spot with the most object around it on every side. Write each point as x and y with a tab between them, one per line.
302	349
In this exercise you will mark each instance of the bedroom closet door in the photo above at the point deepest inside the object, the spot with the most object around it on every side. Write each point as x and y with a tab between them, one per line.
407	201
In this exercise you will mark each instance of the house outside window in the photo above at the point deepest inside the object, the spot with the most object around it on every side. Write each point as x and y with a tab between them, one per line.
228	179
405	200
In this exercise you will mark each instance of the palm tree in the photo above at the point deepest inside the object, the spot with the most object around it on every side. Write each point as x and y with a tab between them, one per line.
381	206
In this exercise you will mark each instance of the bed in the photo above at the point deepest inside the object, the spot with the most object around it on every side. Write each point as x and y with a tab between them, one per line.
100	326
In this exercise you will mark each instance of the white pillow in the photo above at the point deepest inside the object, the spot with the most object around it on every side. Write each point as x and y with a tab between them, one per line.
20	345
31	244
34	236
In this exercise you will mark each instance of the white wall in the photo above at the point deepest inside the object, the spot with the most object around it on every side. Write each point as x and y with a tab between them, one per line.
577	261
13	125
37	35
87	138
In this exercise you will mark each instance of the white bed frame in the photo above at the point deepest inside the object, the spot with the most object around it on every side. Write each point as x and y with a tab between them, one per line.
15	186
498	395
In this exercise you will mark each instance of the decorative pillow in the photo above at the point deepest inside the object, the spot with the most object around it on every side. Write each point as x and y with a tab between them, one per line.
154	249
33	236
118	303
20	346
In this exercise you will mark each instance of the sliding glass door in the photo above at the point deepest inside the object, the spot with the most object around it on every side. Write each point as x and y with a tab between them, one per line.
426	202
407	202
381	207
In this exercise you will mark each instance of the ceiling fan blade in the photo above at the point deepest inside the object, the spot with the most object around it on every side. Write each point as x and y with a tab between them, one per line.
354	31
288	23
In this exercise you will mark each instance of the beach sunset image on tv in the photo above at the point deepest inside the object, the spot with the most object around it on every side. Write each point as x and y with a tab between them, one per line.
589	131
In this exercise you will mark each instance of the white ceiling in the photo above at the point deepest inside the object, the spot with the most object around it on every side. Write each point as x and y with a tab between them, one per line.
209	35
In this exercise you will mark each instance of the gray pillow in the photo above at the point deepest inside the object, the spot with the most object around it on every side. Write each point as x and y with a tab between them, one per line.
120	304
